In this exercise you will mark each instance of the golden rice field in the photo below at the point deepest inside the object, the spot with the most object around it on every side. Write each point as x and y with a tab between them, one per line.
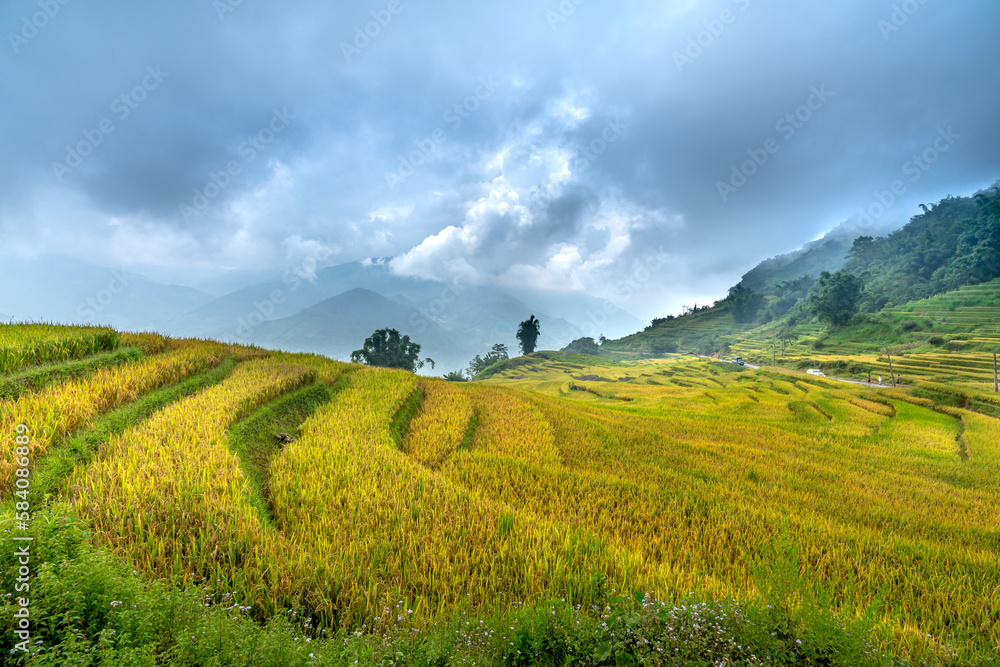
23	345
670	477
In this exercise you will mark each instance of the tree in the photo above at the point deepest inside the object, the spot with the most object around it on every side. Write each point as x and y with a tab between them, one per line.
744	304
863	249
480	364
838	298
583	346
785	332
386	348
527	334
455	376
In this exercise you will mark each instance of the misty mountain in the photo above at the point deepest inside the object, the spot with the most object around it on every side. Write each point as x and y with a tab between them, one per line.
473	317
337	326
826	254
66	290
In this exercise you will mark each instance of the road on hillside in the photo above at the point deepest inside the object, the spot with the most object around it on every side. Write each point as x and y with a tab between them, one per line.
873	385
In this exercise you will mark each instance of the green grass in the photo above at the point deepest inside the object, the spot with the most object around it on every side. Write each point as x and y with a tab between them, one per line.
255	439
79	448
401	421
535	360
39	377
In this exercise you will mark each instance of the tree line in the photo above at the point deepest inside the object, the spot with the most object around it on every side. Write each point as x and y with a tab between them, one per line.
387	348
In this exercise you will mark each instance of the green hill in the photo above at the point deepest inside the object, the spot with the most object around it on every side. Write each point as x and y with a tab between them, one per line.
929	286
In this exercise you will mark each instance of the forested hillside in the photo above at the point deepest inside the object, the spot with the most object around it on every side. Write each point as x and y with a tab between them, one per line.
952	244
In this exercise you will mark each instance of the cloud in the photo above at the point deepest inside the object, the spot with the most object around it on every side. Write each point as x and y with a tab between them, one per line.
586	148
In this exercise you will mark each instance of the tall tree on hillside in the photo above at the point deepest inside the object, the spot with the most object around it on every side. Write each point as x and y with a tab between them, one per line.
480	364
784	333
838	298
744	304
863	249
386	348
527	334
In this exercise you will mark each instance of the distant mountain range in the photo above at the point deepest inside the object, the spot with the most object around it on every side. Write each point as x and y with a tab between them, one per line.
331	314
826	254
66	290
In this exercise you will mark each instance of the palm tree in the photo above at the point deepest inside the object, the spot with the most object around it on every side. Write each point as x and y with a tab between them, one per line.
527	334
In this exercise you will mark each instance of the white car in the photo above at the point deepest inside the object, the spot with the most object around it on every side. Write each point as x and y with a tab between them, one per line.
815	371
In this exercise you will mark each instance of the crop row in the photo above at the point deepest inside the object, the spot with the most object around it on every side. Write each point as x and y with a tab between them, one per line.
58	410
168	493
24	345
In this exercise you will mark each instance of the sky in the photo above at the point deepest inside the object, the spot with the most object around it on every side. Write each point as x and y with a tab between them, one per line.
647	152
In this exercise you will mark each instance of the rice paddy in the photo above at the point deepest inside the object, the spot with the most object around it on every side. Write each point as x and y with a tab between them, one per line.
403	499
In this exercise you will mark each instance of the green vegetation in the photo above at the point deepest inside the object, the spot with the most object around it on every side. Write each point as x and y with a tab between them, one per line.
260	436
878	294
583	346
837	299
744	304
387	349
98	610
497	354
527	334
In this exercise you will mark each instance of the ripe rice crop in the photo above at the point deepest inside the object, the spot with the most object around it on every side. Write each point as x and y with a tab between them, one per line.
441	424
497	496
23	345
872	485
169	494
377	530
58	410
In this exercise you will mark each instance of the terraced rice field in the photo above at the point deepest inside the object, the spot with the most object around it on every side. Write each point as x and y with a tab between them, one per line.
951	339
405	493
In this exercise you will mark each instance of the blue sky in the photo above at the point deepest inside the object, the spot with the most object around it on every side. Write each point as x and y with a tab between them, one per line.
553	145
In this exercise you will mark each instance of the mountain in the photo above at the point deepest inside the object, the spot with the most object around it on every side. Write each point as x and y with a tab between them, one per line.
339	325
826	254
590	316
62	289
952	245
472	317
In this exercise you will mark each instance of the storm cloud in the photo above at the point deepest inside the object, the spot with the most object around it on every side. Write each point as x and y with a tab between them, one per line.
553	145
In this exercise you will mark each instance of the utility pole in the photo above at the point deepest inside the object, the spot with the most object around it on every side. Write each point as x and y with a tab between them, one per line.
773	347
996	387
891	376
